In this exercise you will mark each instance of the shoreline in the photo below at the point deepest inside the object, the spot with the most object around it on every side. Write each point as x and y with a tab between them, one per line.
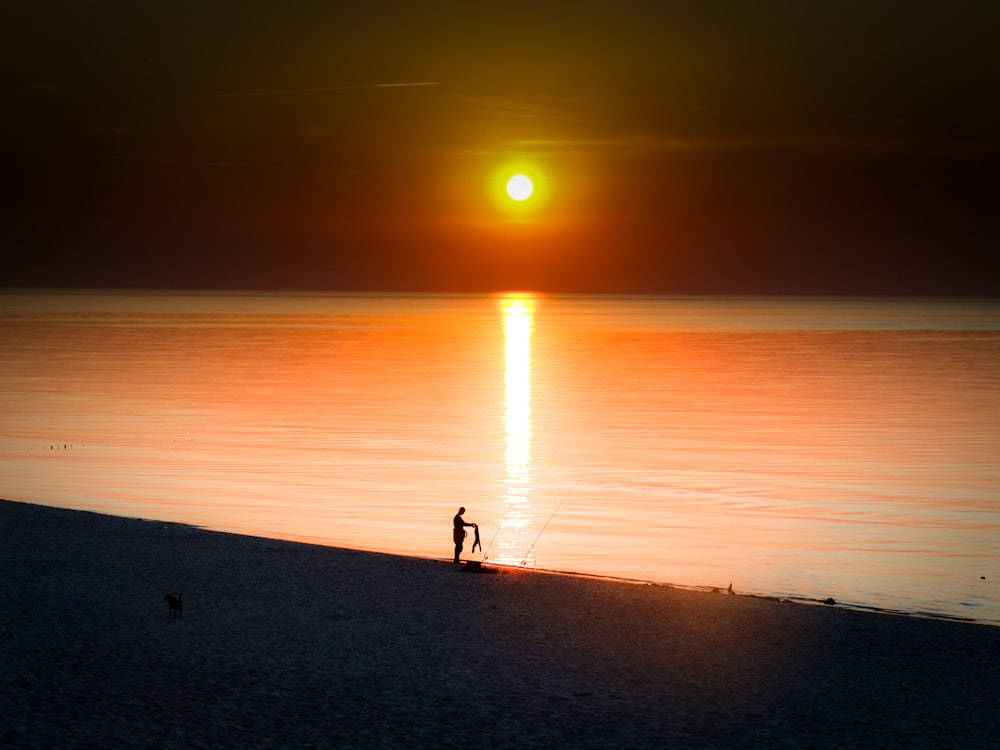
789	598
704	588
286	644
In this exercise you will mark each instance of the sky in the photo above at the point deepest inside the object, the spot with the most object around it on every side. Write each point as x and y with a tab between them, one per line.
807	148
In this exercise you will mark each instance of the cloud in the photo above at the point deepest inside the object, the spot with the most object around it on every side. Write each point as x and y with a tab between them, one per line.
286	92
641	144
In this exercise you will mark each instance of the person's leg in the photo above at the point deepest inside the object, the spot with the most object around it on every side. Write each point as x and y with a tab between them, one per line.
458	551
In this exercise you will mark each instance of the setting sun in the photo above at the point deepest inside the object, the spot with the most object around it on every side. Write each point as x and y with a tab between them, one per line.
520	187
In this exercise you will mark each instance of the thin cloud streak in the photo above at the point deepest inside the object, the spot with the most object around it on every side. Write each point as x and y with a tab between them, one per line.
284	92
640	145
255	165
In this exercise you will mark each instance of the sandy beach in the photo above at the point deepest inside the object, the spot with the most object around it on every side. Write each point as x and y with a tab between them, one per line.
295	646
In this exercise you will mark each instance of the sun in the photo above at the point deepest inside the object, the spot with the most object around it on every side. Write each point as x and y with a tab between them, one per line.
520	187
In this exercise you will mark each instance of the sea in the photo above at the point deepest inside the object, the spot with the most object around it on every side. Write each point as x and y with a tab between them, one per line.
807	449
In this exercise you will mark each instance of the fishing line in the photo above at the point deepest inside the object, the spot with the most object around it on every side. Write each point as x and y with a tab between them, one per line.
528	553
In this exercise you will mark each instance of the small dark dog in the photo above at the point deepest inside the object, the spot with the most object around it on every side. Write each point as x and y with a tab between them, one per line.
176	604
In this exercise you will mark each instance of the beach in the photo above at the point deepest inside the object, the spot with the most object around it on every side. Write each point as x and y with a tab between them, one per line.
298	646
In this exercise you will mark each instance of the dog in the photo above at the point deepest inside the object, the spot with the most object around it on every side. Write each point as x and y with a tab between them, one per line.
176	604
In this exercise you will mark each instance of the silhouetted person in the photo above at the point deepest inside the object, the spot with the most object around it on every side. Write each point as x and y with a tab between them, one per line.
459	533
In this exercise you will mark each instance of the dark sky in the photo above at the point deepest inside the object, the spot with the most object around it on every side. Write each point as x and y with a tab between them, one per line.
677	147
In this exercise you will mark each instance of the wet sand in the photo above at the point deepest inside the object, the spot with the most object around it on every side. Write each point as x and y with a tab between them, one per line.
292	645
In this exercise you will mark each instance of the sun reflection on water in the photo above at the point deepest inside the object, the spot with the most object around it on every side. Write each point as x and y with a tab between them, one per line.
512	545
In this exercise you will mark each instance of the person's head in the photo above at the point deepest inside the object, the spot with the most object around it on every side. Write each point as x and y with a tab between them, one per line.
461	511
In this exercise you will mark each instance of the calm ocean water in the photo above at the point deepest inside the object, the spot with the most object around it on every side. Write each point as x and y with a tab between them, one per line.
795	448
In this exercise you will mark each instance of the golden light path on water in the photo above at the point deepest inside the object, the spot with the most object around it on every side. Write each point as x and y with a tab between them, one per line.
512	546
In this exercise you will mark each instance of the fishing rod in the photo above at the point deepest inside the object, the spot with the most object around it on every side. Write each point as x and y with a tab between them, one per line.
528	553
486	554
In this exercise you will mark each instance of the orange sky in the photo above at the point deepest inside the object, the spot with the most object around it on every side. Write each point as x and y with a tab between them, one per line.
679	147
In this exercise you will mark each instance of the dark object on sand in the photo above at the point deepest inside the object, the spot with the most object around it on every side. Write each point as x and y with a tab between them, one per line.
475	566
176	604
831	600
